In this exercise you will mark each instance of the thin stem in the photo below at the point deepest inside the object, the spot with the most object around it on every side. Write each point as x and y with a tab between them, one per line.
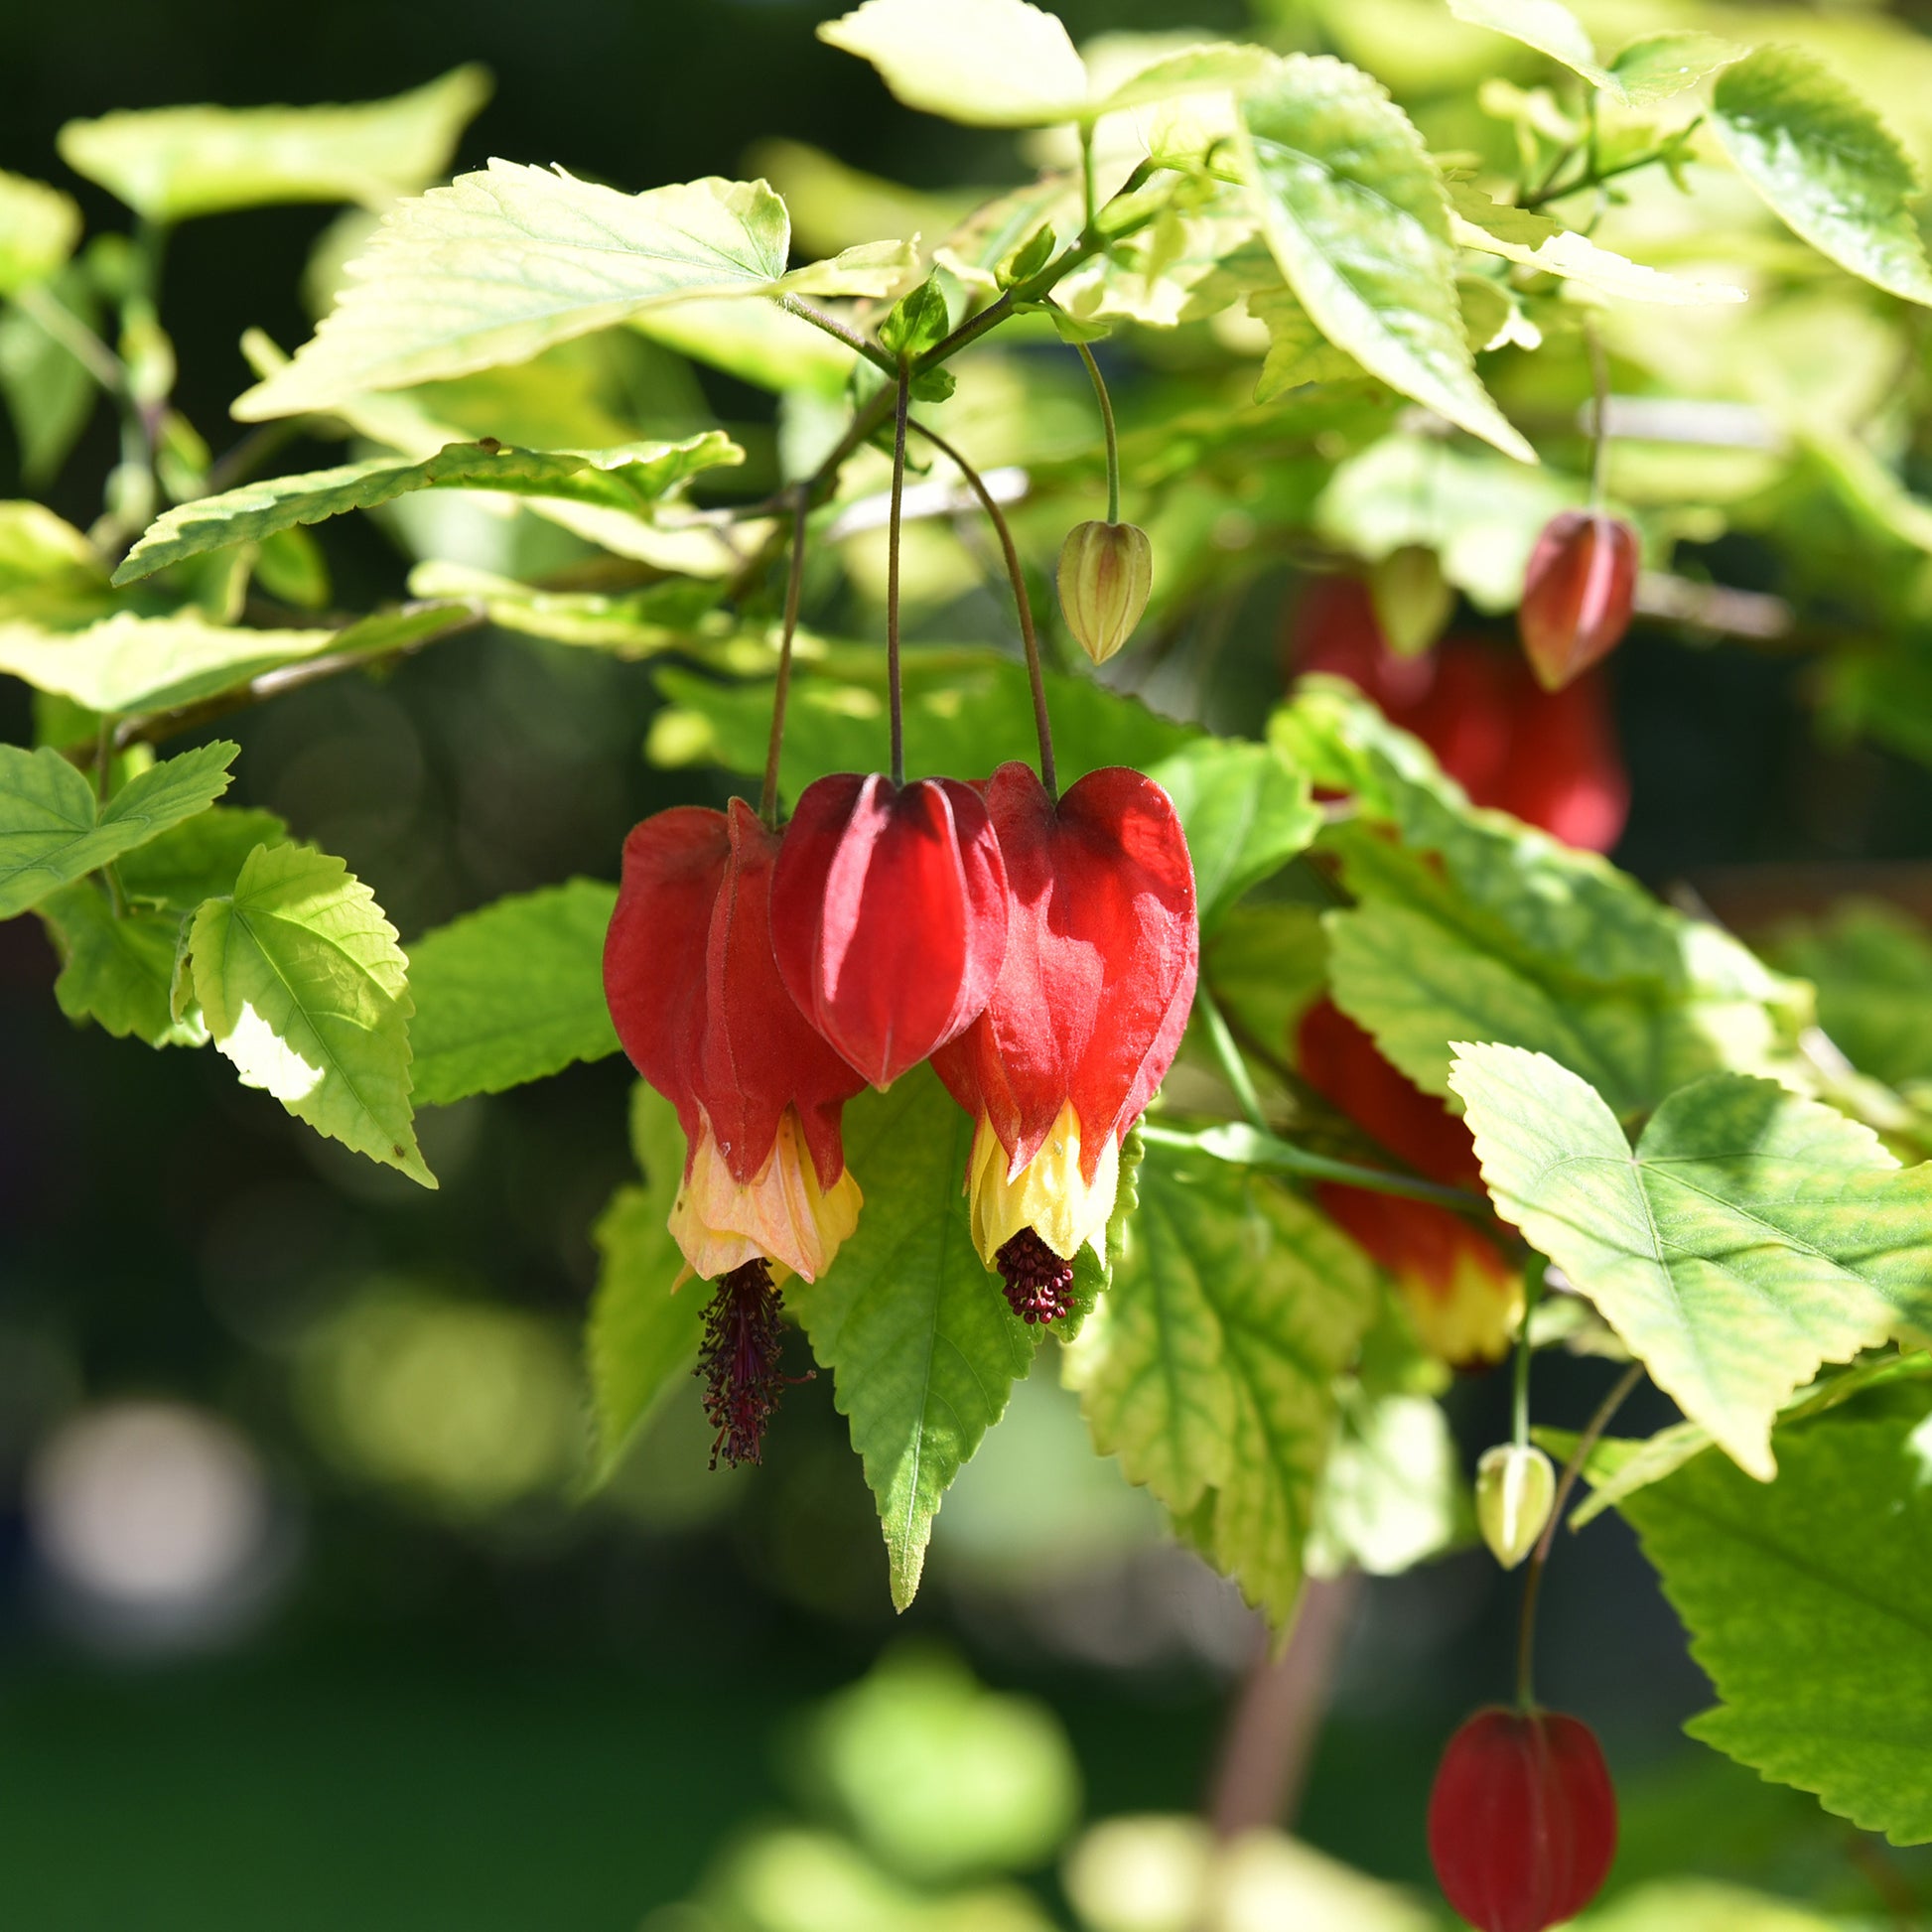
1235	1070
842	331
1023	603
795	588
894	698
1107	423
1532	1288
81	343
1252	1147
1592	177
103	758
1086	170
1599	419
1540	1556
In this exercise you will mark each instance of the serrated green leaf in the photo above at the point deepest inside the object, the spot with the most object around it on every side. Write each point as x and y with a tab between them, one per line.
1548	27
52	830
171	163
1809	1604
513	993
1827	165
1356	213
1660	66
641	1339
1245	813
1297	352
632	479
1209	1367
117	970
127	663
39	229
304	988
1752	1237
201	858
506	262
923	1348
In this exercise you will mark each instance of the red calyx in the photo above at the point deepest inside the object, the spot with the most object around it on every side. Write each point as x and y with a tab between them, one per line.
889	916
1578	594
696	997
1101	957
1522	1820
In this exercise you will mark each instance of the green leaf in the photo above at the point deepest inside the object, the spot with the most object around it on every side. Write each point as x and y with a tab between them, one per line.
1209	1367
1809	1605
304	988
118	969
632	479
1245	813
678	613
757	341
1356	213
1548	27
513	993
49	394
923	1348
169	163
127	663
1873	967
1297	352
199	859
1826	164
39	227
504	263
1660	66
643	1337
52	830
1753	1236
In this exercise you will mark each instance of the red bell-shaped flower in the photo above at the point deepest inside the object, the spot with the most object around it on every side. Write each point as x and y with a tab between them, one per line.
1083	1023
1578	594
889	909
1522	1820
695	993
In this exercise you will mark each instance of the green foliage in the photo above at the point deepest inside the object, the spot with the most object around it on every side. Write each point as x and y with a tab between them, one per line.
1826	163
1873	968
302	985
118	969
1809	1604
39	227
171	163
643	1336
1753	1236
1659	66
53	828
1208	1366
1246	815
513	993
1548	27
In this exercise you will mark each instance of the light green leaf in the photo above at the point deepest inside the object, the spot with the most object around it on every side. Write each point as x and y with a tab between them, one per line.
39	227
1245	813
1753	1236
629	624
53	831
1392	1493
1826	164
923	1348
632	479
1297	352
504	263
117	970
201	858
1548	27
1356	215
1809	1605
1662	65
1873	967
169	163
1212	67
304	988
1209	1367
643	1337
126	664
513	993
757	341
49	394
1707	1906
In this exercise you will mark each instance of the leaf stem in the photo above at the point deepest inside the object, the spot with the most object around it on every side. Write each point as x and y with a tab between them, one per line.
781	691
1520	1404
841	332
1107	423
1235	1070
1086	171
1252	1147
1599	419
1540	1556
57	320
1023	603
1595	177
892	694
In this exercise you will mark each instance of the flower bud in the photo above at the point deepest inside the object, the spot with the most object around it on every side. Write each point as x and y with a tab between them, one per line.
1515	1486
1412	597
1522	1820
1578	594
1106	572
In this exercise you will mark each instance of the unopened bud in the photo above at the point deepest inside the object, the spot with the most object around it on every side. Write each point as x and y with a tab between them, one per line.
1515	1486
1578	594
1412	597
1106	572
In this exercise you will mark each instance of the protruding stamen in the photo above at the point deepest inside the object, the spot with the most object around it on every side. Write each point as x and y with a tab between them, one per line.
744	1346
1039	1284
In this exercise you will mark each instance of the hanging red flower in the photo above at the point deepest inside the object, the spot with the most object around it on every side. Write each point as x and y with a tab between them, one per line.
1082	1024
889	909
1579	593
1522	1820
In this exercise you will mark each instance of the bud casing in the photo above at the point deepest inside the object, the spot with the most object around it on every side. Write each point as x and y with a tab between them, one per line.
1578	592
1106	572
1515	1489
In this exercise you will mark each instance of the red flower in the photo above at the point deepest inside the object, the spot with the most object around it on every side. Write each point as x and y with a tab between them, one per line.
1578	594
1549	758
889	914
1084	1019
1465	1299
1522	1820
695	993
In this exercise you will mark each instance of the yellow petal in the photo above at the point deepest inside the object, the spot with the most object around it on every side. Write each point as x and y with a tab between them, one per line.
1049	1194
780	1214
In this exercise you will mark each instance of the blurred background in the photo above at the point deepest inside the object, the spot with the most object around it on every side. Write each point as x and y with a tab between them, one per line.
302	1619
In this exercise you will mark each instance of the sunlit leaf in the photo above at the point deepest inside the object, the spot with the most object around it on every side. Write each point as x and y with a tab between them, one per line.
1873	968
1660	66
1245	813
1548	27
117	969
39	227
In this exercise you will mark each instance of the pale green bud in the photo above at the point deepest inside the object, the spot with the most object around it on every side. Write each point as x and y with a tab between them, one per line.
1106	572
1515	1487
